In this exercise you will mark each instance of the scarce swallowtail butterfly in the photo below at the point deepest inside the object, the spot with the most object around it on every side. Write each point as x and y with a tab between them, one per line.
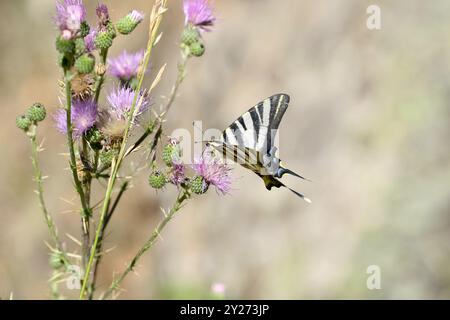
249	141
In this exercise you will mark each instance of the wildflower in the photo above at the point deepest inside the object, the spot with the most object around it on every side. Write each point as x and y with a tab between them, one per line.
83	116
89	40
213	172
102	14
126	66
70	15
157	179
36	112
171	152
199	13
82	85
121	100
128	23
178	174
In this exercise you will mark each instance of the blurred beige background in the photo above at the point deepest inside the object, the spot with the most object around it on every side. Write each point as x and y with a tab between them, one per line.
368	124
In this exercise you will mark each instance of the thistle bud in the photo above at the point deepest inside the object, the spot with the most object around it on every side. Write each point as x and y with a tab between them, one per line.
111	29
189	36
157	180
36	112
80	47
23	122
170	153
66	46
84	29
128	23
103	40
56	260
106	157
94	137
197	49
100	69
85	64
199	185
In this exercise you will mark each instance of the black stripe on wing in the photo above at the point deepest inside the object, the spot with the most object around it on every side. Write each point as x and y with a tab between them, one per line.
255	118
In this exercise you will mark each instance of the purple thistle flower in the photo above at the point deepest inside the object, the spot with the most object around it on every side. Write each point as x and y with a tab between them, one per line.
121	99
199	13
89	40
126	66
69	16
214	172
136	16
102	13
178	174
83	116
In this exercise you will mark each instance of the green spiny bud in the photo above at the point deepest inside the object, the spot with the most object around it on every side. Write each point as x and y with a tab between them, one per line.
85	64
94	137
170	153
111	29
65	46
157	180
199	185
189	36
23	122
103	40
197	49
80	47
106	157
36	112
84	29
56	260
128	23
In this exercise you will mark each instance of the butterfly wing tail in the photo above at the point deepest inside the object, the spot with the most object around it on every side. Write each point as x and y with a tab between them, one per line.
282	170
270	182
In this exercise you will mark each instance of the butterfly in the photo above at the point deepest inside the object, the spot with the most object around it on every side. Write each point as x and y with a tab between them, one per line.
249	141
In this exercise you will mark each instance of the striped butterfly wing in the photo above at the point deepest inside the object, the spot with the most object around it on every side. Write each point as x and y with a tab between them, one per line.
253	133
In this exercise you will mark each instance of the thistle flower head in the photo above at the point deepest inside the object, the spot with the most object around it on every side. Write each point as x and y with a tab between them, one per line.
102	13
178	174
136	16
199	13
83	117
213	172
126	66
89	40
70	14
121	100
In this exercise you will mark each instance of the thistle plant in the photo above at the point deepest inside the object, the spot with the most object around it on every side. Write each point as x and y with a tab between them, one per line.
100	136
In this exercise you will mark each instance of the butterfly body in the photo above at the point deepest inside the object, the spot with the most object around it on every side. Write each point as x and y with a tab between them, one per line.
250	141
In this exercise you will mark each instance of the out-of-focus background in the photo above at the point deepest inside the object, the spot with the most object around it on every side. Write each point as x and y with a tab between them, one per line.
368	124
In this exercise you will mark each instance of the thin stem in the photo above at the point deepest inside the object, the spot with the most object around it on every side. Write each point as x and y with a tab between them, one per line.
85	220
47	216
155	21
40	191
182	196
73	164
122	190
101	78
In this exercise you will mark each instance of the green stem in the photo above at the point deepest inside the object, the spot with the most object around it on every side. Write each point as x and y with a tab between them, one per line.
40	191
182	196
155	21
73	164
122	190
47	216
85	220
101	78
